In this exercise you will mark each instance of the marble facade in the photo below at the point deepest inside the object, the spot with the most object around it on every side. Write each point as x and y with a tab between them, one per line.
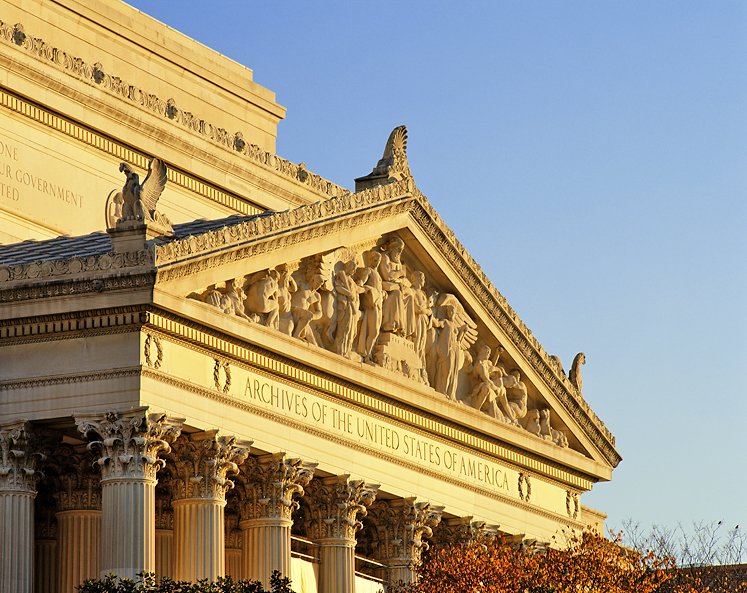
214	361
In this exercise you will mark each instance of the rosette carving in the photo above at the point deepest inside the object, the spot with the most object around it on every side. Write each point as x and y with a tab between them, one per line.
203	461
402	525
269	483
335	505
131	442
21	451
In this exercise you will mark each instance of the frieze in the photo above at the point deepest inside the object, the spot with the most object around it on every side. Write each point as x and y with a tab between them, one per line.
95	74
76	265
363	448
249	358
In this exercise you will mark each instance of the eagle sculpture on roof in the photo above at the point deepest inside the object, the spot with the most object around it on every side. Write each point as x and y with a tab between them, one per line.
137	201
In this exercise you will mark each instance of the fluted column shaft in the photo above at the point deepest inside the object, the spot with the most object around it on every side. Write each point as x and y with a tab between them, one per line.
164	553
17	540
336	565
128	543
45	566
199	546
266	547
19	454
79	547
400	569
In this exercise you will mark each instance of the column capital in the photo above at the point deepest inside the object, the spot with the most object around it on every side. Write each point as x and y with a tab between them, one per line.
402	524
203	461
77	485
130	441
463	531
20	455
336	503
268	484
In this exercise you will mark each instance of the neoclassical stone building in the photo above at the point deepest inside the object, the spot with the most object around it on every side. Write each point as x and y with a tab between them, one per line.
214	361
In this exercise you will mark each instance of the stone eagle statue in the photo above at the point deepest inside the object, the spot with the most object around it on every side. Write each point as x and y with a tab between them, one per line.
137	201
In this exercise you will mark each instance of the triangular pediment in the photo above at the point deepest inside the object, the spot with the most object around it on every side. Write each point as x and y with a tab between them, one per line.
374	278
411	282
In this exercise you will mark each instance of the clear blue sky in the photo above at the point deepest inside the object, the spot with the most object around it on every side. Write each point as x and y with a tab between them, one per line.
591	156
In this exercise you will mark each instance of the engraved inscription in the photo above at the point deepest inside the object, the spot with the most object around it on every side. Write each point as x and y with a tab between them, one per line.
398	441
17	182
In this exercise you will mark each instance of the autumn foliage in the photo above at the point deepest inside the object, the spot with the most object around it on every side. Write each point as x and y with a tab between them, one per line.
584	562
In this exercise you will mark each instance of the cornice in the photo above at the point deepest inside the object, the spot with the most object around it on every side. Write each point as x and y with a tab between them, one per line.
120	151
30	290
97	76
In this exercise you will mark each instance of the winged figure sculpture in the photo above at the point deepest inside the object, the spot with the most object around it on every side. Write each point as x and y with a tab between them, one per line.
140	199
137	201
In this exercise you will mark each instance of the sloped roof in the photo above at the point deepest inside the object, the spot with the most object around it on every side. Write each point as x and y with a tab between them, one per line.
99	243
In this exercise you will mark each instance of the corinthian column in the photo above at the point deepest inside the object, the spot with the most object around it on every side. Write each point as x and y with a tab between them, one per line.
336	503
401	525
78	497
462	531
268	485
203	460
128	458
19	448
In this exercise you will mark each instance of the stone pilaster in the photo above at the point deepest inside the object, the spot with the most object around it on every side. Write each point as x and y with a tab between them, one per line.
203	461
78	496
401	525
20	453
335	504
128	458
268	485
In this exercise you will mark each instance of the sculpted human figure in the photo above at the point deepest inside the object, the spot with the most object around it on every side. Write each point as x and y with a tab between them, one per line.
398	312
286	286
306	307
372	301
348	308
448	353
431	340
262	298
230	301
514	400
489	384
423	313
533	422
550	434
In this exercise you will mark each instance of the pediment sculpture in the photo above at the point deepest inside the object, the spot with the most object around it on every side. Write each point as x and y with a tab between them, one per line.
137	202
372	306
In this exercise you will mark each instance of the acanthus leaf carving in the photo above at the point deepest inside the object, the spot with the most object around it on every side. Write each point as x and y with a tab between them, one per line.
130	442
336	505
22	451
403	525
269	483
203	462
